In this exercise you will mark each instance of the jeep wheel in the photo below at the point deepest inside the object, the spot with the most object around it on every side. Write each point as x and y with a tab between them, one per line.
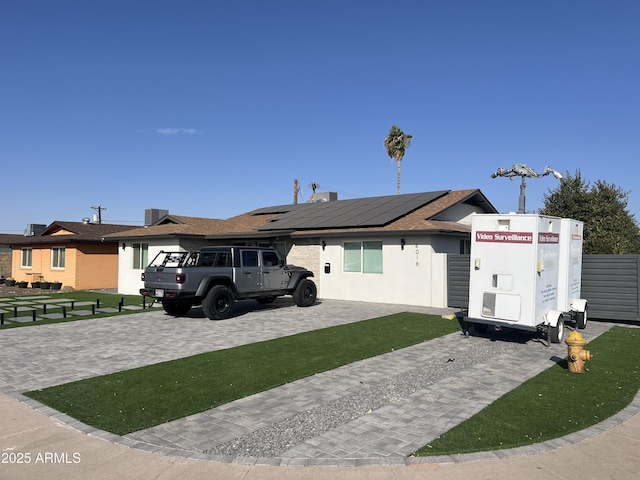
177	309
305	293
218	303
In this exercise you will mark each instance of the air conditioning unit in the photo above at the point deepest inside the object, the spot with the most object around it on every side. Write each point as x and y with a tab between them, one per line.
152	215
34	229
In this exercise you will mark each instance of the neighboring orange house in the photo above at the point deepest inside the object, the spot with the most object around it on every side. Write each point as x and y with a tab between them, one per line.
74	253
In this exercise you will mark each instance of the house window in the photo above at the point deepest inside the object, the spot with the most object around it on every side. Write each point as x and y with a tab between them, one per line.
27	258
140	255
363	257
57	257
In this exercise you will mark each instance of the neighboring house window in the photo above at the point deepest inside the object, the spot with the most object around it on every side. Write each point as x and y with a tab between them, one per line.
140	255
57	257
363	257
465	246
27	258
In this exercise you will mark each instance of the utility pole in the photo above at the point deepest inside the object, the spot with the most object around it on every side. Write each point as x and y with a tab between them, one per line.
296	190
99	209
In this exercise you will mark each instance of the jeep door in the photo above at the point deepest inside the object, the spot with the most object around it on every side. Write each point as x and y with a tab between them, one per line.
249	278
274	276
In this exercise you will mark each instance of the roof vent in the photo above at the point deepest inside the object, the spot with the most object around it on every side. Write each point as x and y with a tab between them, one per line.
86	220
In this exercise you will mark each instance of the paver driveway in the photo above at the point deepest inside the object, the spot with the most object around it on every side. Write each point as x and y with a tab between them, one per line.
472	372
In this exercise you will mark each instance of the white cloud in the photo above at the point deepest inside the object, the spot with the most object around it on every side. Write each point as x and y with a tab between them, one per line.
178	131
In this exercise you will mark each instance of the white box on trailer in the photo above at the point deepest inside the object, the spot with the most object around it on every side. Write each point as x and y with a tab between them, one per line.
525	271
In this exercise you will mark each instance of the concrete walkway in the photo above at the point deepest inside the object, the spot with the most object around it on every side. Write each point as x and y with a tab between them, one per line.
381	438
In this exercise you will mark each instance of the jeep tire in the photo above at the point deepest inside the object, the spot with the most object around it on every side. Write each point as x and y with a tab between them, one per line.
305	293
218	303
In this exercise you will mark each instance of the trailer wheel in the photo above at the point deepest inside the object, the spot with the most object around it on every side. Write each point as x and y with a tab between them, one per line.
177	309
218	303
556	333
581	319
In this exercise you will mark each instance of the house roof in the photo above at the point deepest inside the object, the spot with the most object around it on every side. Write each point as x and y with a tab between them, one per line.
180	225
8	239
72	232
424	212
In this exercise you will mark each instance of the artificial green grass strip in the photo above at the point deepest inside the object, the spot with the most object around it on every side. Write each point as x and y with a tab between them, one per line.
107	300
132	400
555	402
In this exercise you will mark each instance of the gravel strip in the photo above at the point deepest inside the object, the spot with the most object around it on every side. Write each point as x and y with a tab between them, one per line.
274	440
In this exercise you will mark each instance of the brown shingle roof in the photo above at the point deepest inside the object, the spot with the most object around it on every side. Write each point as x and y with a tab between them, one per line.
423	218
7	239
247	223
79	232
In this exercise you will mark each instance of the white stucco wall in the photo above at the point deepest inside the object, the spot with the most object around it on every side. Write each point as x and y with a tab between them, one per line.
415	275
460	213
129	282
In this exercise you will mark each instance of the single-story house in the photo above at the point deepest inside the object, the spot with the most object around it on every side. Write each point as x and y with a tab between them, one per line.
380	249
78	254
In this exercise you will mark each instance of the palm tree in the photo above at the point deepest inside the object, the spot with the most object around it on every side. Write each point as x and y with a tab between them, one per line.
396	143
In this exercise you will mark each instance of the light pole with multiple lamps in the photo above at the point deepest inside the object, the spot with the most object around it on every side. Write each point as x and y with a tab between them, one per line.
521	170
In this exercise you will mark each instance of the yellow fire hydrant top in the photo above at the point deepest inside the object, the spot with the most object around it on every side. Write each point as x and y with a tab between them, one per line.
574	339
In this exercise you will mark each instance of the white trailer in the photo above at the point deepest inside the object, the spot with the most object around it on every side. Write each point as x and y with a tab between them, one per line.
525	273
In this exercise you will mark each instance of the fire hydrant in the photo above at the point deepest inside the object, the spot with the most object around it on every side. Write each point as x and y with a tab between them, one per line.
577	354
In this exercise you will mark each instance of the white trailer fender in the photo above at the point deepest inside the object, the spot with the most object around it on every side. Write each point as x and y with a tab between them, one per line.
552	317
579	305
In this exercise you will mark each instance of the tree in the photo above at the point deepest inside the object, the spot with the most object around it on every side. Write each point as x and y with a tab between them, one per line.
396	144
608	226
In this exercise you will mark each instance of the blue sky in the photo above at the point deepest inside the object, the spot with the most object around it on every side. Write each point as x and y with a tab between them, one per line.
212	108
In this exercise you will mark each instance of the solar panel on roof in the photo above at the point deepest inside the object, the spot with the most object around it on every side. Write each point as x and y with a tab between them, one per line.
361	212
